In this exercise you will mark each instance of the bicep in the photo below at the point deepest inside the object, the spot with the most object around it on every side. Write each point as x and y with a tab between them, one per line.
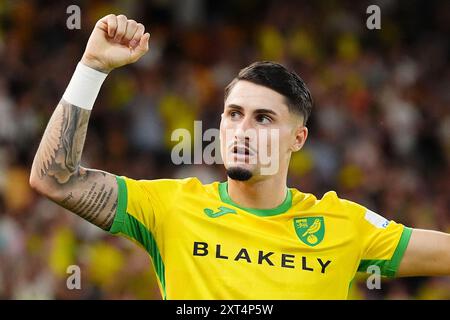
91	194
427	254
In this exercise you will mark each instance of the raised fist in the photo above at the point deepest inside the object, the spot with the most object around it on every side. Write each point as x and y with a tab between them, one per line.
114	42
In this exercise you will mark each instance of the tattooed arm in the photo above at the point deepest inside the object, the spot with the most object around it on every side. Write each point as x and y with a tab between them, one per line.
56	172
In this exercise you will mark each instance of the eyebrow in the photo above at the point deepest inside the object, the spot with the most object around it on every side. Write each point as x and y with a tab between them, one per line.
259	111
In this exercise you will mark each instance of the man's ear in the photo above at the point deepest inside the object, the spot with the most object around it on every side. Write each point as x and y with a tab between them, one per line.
301	134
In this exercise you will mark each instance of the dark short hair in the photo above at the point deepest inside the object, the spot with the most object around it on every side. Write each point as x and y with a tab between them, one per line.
276	77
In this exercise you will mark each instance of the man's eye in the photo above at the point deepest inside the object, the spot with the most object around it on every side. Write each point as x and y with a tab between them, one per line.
263	119
234	114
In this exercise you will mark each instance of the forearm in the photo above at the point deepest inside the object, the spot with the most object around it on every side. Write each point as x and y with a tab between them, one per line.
59	153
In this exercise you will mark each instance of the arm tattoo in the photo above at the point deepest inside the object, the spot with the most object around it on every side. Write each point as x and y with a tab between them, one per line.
91	194
60	149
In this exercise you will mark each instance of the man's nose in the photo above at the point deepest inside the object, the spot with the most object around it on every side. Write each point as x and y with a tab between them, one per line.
243	128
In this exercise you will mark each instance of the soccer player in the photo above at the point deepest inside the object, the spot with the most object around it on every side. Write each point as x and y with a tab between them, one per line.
250	237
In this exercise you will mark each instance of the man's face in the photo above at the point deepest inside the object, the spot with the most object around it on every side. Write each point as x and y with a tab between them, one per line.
257	132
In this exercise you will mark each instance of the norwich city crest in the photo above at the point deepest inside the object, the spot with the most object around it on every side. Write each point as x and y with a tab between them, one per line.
310	230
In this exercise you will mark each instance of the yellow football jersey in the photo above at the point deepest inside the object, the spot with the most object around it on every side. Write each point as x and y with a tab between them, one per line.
205	246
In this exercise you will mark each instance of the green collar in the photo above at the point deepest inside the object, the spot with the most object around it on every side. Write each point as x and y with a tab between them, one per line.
287	203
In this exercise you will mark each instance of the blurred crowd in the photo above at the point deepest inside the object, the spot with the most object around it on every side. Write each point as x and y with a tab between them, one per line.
379	131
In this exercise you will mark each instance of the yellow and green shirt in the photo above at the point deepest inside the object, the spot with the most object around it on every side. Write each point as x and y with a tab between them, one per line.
205	246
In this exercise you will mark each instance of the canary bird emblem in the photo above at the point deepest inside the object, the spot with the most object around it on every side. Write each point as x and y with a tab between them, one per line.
310	230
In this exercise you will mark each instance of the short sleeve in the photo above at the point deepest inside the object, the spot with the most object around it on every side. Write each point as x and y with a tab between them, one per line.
140	211
141	207
383	242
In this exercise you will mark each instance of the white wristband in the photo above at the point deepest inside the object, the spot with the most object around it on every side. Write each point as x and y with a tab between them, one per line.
84	86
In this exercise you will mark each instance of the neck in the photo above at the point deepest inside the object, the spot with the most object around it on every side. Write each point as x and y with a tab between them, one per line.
263	194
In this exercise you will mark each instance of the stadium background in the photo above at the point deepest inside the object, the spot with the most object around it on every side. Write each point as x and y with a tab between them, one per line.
379	133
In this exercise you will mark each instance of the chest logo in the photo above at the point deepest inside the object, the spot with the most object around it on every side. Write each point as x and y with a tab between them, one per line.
310	230
222	210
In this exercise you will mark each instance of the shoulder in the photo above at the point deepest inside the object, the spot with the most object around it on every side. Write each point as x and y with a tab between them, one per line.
191	184
330	202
